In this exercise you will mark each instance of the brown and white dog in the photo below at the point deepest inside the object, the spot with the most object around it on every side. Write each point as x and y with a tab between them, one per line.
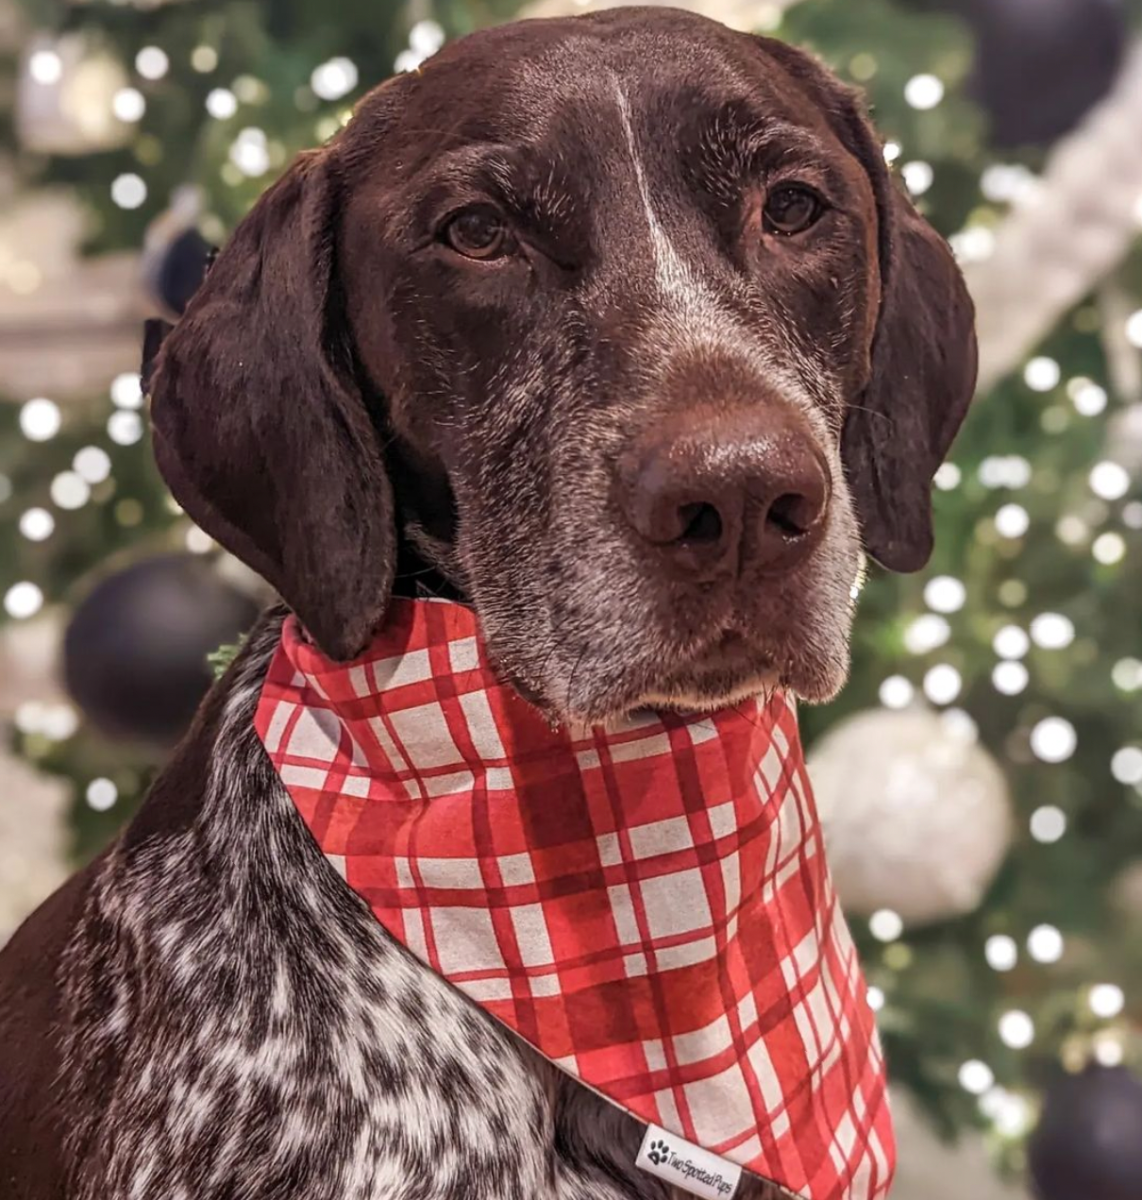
613	327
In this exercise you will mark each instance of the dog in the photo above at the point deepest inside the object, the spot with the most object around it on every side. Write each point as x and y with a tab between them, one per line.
614	328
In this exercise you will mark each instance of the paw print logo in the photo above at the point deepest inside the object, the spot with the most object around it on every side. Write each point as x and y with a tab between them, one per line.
658	1153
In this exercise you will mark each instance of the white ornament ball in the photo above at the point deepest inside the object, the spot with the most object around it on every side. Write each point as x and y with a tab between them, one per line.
916	813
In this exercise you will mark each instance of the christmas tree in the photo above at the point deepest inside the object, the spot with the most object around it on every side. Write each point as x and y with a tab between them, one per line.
981	775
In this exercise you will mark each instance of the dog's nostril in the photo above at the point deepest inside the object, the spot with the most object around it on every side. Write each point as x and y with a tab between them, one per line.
793	514
701	523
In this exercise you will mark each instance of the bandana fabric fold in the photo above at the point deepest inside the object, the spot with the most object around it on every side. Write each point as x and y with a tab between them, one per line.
648	906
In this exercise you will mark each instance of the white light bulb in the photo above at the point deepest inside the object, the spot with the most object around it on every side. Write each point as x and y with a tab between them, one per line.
23	600
1126	765
250	152
1012	521
1011	642
926	633
1127	674
1053	740
101	794
1109	481
92	464
37	524
976	1077
1010	678
1016	1029
1052	631
221	104
334	79
40	419
1109	548
45	67
942	684
885	925
426	37
945	594
918	177
1001	952
128	190
129	106
1106	1000
896	692
151	62
1045	944
948	477
1048	824
69	490
875	999
124	428
1042	374
1134	329
127	390
1088	398
892	151
923	91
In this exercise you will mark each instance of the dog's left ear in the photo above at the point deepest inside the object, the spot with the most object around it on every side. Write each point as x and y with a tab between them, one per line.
260	428
924	359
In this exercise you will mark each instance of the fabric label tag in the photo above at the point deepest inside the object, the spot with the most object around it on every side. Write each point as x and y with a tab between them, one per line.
687	1166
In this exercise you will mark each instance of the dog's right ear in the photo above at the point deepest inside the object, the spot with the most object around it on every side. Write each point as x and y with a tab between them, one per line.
259	427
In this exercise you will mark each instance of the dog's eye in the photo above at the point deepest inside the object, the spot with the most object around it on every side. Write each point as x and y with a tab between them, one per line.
479	233
791	209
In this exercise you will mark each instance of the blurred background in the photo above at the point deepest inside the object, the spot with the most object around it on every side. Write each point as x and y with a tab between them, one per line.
981	777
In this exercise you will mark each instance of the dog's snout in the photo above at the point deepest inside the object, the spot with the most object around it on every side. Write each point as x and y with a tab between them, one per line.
715	495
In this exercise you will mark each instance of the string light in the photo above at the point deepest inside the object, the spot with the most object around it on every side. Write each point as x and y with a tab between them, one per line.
204	59
1001	952
1126	674
1042	374
1012	521
876	999
221	104
127	391
886	925
101	794
892	151
1126	765
1048	824
40	419
45	67
1052	631
1109	481
334	79
923	92
1007	471
942	684
1045	944
250	153
948	477
1011	642
1010	678
945	594
128	190
1108	1049
70	490
37	524
1016	1029
918	177
92	464
152	62
1134	329
896	692
976	1077
124	428
926	633
129	105
1053	740
23	600
1106	1000
1088	398
1108	548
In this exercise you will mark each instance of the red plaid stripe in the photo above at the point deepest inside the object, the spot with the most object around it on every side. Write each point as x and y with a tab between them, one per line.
649	906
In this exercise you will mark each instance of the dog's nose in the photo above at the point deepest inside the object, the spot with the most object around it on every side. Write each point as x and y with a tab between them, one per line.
712	495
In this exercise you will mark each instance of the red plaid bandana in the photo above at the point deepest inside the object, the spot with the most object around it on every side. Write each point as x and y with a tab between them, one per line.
649	906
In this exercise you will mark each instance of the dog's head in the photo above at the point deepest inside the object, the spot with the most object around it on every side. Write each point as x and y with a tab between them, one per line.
615	326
